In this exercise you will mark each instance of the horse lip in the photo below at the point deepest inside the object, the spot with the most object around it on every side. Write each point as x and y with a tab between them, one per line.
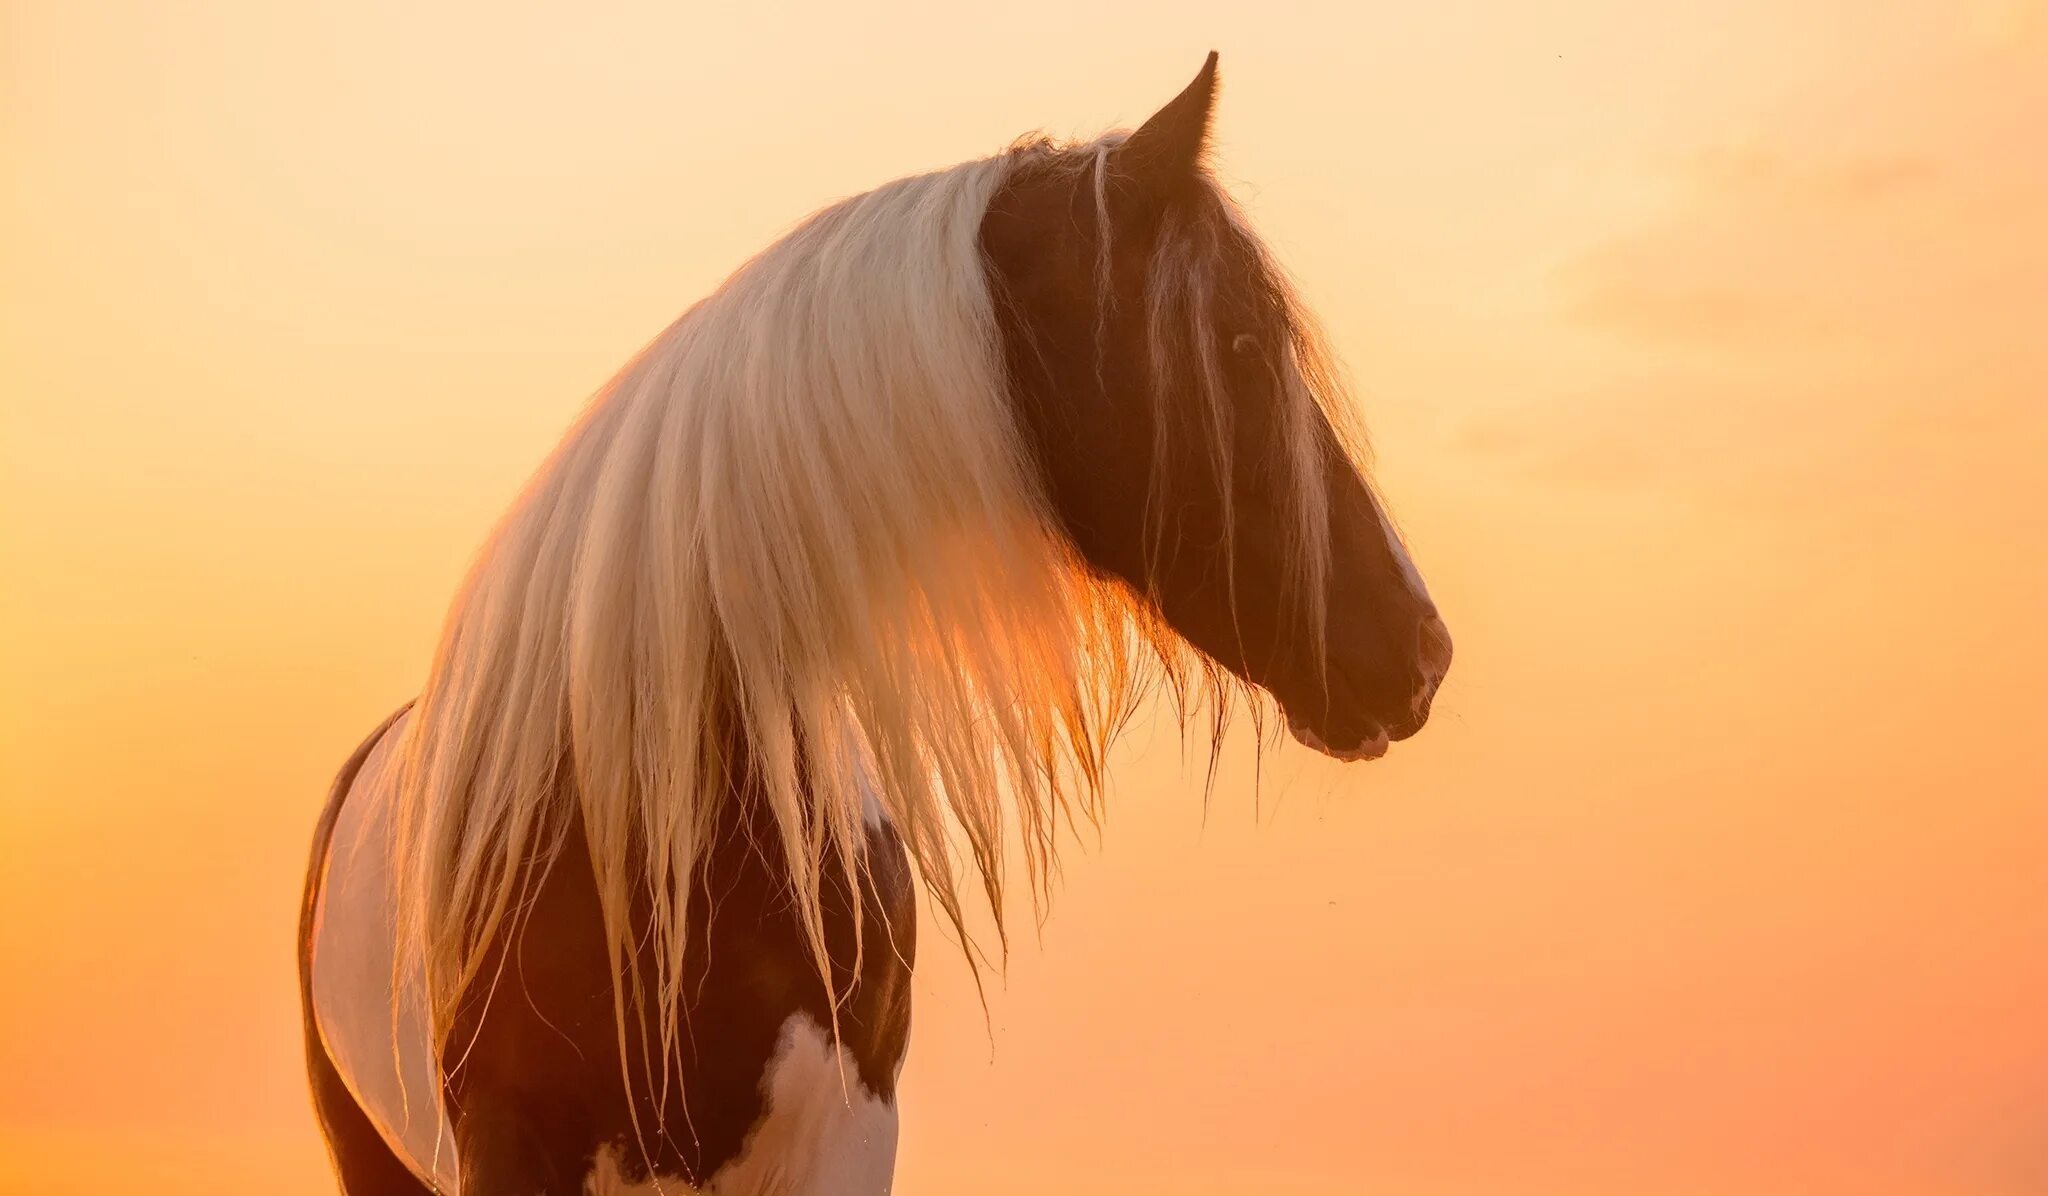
1372	748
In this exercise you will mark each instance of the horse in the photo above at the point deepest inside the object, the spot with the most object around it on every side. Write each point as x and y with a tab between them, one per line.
840	589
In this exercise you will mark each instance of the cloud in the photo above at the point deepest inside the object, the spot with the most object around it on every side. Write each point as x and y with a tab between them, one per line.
1762	247
1839	321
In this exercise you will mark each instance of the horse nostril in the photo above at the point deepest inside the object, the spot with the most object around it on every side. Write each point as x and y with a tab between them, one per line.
1434	641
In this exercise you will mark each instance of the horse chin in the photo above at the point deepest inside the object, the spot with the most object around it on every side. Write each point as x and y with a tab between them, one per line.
1372	748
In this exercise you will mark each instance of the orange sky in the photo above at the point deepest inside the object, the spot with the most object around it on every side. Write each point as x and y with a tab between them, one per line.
1706	350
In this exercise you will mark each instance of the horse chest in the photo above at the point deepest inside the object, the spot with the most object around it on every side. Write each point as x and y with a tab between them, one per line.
769	1102
820	1132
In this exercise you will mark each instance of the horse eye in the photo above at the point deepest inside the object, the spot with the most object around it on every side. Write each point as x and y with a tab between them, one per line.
1244	344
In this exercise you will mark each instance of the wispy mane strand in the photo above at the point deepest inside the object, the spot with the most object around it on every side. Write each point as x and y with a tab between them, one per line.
801	520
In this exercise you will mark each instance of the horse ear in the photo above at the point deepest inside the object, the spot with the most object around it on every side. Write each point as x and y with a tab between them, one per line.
1165	155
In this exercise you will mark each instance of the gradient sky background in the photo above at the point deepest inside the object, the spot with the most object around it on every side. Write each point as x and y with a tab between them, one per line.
1706	350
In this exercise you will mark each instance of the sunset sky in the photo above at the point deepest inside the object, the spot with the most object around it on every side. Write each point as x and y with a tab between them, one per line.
1705	349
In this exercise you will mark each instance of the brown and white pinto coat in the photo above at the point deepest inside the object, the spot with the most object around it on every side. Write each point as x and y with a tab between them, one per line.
1155	366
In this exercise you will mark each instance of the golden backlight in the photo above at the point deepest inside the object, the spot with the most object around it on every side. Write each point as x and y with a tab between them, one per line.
1705	347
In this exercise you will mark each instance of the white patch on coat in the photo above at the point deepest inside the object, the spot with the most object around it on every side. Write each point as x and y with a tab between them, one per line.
872	812
822	1133
383	1053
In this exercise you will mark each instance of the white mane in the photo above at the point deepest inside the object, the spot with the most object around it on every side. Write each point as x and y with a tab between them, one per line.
803	517
805	505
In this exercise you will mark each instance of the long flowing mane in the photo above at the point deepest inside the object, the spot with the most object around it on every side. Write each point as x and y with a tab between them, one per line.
802	519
